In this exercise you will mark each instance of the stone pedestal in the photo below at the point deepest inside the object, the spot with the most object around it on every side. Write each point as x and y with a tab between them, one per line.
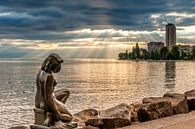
40	116
42	127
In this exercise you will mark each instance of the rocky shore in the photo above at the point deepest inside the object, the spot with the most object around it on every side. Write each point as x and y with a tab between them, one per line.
131	115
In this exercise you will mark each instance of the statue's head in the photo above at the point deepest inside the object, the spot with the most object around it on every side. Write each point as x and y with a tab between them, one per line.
52	63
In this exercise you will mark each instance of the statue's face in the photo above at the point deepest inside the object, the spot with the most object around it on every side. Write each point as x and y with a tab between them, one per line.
57	67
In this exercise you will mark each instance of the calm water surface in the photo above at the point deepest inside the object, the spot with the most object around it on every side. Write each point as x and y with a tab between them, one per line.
93	83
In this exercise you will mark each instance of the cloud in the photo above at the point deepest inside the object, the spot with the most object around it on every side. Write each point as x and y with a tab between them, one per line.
90	23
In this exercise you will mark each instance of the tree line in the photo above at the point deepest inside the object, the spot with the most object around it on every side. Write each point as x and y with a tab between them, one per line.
163	54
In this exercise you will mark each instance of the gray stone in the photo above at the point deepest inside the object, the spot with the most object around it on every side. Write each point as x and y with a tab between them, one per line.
153	110
90	127
134	108
119	111
84	115
191	99
108	123
178	102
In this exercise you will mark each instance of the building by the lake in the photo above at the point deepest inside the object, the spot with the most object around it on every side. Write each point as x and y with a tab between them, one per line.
170	35
155	46
187	49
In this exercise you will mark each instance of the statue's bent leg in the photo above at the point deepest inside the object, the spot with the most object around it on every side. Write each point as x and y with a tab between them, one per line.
63	110
66	118
62	95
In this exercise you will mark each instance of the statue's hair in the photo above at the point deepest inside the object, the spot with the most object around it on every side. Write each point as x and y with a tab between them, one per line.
51	61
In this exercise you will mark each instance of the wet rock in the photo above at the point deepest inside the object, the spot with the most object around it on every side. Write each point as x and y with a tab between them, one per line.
178	102
154	109
134	108
117	116
90	127
20	127
191	99
119	111
84	115
108	123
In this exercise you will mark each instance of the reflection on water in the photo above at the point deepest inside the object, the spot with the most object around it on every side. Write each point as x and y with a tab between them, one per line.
170	75
93	83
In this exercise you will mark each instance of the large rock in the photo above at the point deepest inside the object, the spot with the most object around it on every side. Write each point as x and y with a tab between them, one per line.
134	108
117	116
178	102
119	111
191	99
108	123
154	109
84	115
90	127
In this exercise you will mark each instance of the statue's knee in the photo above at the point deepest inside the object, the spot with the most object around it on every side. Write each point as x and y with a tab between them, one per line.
68	93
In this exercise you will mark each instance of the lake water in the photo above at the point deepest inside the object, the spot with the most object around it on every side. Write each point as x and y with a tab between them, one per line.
93	83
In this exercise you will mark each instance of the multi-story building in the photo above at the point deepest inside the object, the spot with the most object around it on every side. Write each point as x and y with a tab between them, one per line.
155	46
186	49
170	35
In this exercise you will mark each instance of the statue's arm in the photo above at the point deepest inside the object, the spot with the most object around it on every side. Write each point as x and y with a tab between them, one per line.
48	87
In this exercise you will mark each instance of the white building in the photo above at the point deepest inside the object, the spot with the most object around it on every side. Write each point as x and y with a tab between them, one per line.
155	46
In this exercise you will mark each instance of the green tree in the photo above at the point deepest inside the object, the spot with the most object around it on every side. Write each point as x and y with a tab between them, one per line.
193	52
137	51
126	55
163	52
121	56
133	53
182	55
156	55
175	52
169	56
145	55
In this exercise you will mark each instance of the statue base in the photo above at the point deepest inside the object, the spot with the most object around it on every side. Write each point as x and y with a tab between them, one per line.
71	125
40	116
34	126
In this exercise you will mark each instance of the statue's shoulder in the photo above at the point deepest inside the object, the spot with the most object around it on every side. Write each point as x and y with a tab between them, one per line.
44	75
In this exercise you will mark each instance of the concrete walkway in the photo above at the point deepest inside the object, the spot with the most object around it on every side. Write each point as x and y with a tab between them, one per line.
181	121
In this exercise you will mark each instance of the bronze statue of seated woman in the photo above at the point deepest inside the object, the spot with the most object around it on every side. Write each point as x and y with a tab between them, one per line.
52	102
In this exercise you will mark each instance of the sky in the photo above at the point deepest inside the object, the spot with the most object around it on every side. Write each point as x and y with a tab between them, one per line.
89	28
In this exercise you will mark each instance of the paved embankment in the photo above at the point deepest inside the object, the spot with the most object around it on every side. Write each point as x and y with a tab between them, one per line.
180	121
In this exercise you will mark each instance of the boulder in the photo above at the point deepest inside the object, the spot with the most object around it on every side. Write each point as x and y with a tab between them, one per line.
108	123
178	102
134	108
20	127
84	115
153	110
90	127
118	111
117	116
191	99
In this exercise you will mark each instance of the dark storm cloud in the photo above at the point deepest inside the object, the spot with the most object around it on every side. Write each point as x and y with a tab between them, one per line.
49	20
54	15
